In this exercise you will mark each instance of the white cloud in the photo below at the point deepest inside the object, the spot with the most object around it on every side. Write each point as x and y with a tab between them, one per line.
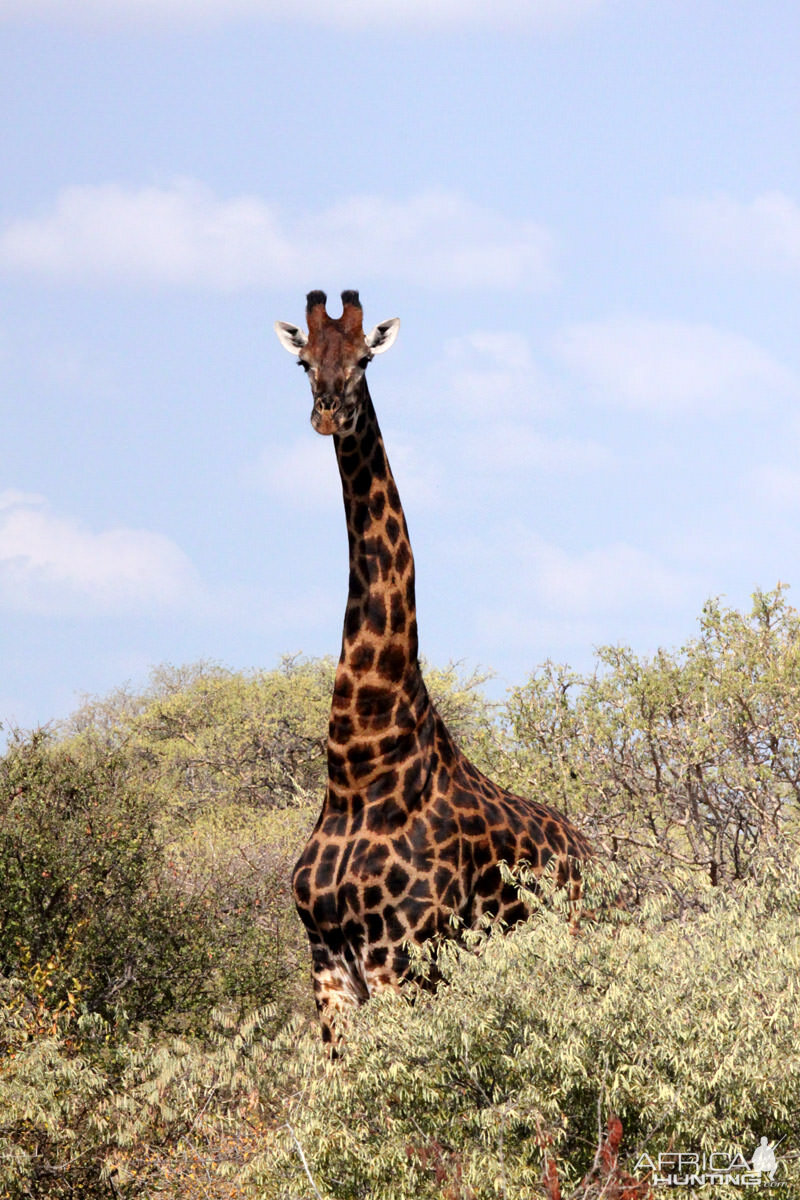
433	239
761	234
554	582
490	372
604	579
575	598
358	15
52	564
171	235
497	395
303	474
486	399
185	235
506	348
508	446
419	476
671	366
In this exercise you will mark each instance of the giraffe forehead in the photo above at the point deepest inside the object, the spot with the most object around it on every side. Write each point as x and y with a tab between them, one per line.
331	347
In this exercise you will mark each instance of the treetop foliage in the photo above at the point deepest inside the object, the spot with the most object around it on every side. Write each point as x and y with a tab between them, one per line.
681	764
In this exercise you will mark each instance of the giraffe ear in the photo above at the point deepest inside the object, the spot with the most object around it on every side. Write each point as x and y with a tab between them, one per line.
383	335
290	337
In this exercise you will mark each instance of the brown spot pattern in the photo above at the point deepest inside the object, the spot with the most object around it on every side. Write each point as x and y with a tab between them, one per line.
410	831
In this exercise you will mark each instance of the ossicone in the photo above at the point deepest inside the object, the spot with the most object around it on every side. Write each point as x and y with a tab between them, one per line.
316	316
352	314
313	299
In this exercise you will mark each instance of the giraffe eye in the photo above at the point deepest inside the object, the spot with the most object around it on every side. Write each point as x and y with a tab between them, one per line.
363	363
306	366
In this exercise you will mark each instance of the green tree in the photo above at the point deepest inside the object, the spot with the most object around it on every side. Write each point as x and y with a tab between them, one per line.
684	764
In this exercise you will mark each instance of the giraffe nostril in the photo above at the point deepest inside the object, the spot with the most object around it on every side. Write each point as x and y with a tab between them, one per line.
330	404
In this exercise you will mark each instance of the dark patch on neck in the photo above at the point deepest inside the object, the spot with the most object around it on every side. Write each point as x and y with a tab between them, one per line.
375	615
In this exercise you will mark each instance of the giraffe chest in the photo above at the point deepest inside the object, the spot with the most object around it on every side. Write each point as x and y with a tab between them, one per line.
385	865
380	873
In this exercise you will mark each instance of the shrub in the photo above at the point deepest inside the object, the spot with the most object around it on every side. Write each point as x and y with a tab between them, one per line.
77	858
148	926
85	1115
49	1093
685	1031
146	912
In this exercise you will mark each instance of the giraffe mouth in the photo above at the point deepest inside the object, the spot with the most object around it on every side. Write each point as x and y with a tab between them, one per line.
325	421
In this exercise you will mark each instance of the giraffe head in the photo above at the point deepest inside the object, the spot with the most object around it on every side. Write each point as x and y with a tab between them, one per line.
334	354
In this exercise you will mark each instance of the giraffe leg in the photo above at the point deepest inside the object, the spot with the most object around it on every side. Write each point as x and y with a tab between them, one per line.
338	988
574	885
393	973
378	979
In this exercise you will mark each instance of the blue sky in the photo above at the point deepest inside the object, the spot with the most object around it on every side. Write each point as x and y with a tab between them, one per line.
586	214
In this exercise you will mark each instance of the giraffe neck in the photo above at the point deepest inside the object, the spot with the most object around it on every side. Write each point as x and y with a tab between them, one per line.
379	697
380	624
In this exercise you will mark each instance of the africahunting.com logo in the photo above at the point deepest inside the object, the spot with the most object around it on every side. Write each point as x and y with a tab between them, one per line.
681	1168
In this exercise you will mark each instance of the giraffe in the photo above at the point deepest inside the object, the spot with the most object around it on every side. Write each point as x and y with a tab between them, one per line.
410	831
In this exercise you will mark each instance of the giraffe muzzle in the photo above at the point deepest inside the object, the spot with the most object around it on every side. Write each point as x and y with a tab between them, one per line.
327	415
323	421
